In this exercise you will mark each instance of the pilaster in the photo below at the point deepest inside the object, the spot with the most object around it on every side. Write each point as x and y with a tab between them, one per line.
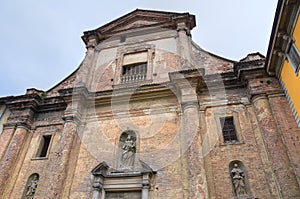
63	159
261	146
288	129
184	44
11	155
193	174
210	191
85	72
16	130
277	153
68	144
145	186
5	138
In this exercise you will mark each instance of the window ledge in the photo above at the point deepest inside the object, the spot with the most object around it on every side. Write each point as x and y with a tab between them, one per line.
132	84
39	158
232	143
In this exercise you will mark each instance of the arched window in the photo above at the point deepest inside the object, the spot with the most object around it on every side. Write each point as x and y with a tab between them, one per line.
239	179
127	150
31	186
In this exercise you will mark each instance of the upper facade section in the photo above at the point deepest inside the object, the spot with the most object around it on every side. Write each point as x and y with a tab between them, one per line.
140	19
142	48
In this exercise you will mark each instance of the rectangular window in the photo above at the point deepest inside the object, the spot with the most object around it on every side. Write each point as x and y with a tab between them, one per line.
134	72
44	145
294	57
228	129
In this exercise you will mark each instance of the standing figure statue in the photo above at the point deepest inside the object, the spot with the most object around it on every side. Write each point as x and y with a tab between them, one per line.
238	179
128	152
31	187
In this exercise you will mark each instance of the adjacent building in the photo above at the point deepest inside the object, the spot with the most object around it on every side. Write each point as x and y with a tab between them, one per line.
149	114
283	58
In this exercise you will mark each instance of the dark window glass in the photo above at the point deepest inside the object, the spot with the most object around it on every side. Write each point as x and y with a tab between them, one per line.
44	145
294	57
134	72
122	38
228	129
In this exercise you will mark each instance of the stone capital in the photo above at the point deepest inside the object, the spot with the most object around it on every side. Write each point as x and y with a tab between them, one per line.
23	125
14	125
189	104
258	97
72	118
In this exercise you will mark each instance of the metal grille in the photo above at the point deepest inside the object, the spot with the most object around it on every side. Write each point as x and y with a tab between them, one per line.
228	129
134	73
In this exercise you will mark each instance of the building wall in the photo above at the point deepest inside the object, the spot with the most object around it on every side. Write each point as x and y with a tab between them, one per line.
245	151
175	115
289	82
290	79
296	32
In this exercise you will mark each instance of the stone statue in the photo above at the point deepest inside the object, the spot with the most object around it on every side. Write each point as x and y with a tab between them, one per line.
128	152
31	187
238	179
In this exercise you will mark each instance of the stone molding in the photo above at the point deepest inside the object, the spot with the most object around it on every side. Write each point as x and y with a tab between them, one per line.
109	179
148	18
189	104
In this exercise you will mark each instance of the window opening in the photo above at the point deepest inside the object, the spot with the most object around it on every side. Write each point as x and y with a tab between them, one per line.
228	129
45	143
122	38
294	58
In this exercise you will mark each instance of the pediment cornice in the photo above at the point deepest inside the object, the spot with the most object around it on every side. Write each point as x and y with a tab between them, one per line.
140	19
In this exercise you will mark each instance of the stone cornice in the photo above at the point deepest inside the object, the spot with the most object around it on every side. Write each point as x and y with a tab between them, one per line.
188	78
240	67
214	82
282	33
14	125
34	102
135	92
147	18
192	78
31	101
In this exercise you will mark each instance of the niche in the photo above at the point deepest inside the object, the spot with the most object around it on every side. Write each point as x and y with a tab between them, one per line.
127	150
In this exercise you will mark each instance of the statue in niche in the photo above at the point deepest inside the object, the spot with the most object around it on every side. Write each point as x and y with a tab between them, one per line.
238	180
128	152
31	187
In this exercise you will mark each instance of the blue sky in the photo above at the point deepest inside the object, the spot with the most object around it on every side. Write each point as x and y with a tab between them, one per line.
41	40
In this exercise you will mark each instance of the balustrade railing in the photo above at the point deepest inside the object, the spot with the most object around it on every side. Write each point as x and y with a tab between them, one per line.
134	73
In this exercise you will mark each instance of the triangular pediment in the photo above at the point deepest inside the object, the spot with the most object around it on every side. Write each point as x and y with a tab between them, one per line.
135	23
100	169
139	19
104	170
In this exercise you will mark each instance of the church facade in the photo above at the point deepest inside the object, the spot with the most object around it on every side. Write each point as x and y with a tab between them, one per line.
149	114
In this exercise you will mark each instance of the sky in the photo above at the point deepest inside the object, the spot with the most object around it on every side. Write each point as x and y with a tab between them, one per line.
40	41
